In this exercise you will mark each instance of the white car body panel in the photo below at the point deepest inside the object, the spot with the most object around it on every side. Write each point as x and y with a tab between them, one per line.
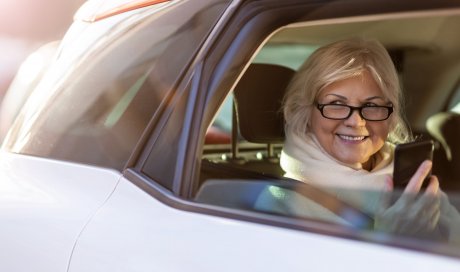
136	232
44	205
124	219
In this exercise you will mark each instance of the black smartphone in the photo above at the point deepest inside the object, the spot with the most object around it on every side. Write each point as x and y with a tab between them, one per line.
408	158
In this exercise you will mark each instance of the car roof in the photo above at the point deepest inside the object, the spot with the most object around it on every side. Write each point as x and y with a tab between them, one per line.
96	10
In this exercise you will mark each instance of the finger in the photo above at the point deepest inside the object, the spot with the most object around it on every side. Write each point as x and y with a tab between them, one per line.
426	211
416	181
429	205
416	205
429	220
433	187
433	216
435	219
426	205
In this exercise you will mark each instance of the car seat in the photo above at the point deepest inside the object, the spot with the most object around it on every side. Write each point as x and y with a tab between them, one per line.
258	99
258	118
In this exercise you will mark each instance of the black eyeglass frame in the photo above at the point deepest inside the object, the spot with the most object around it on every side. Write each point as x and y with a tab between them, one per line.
320	107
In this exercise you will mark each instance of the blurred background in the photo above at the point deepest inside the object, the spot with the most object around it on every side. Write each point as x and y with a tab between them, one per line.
25	25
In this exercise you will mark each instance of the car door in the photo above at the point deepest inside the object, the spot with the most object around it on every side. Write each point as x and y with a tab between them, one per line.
152	221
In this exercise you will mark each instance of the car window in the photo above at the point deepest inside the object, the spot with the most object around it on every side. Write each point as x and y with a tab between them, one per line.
106	101
245	174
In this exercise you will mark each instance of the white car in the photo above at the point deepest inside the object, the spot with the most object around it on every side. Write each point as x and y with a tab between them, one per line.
125	156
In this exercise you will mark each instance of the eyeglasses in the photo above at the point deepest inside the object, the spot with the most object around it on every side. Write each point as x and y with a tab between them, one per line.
342	112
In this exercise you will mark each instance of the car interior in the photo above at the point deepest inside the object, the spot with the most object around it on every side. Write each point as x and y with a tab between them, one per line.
425	49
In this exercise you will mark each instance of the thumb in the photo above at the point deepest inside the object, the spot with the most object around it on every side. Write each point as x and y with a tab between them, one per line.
388	187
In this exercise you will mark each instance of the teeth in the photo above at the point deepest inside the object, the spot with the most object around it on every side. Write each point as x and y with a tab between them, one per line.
352	138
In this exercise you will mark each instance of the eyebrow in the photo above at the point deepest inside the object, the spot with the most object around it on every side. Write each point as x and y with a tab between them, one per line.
367	99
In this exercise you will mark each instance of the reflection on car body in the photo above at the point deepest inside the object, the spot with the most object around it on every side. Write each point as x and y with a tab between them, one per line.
109	166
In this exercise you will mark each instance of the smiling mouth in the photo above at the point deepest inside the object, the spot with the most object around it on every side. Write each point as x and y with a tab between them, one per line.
352	138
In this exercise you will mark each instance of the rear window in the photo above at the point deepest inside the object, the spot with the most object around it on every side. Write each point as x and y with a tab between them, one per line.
95	109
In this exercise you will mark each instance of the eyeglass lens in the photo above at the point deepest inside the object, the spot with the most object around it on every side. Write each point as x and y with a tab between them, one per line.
372	113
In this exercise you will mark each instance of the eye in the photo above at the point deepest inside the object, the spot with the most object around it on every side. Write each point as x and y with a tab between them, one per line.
370	104
337	102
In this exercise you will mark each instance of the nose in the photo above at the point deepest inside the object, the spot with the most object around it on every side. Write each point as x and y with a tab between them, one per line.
355	120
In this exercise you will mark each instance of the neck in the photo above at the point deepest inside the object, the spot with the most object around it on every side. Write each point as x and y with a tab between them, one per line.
369	164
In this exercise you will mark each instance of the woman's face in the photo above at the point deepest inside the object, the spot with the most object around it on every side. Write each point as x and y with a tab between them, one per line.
353	140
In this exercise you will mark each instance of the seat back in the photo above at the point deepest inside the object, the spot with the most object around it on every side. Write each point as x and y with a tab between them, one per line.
258	118
258	98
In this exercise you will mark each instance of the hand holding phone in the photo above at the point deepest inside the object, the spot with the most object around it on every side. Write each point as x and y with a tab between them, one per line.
408	158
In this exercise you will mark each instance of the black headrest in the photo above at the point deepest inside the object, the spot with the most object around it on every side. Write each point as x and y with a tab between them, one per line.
258	97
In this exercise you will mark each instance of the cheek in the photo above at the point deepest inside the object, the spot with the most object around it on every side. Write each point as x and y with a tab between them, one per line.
392	123
318	123
379	131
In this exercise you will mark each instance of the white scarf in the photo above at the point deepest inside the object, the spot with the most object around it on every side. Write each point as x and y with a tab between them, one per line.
304	159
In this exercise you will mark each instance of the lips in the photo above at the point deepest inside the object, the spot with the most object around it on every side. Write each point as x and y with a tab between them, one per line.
352	138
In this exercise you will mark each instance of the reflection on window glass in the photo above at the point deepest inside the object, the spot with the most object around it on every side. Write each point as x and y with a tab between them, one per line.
95	111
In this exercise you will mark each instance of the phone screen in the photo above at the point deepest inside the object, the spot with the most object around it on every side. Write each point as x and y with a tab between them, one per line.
408	158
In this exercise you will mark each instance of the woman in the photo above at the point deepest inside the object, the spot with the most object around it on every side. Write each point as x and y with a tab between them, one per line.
343	112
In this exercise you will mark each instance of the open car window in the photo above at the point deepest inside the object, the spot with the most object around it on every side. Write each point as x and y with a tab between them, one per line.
240	163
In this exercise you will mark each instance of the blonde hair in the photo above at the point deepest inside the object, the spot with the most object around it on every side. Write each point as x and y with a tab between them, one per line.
338	61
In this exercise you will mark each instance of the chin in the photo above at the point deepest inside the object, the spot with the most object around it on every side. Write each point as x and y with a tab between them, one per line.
353	161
